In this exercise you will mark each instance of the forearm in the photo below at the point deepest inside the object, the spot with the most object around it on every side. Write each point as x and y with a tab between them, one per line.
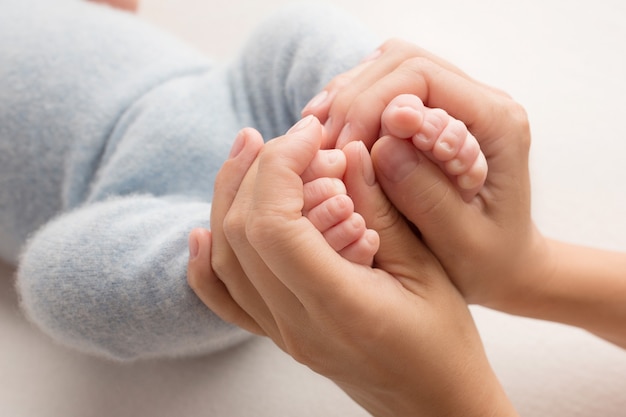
583	287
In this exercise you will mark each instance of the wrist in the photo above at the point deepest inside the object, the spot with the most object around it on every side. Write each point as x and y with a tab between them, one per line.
482	396
524	277
574	285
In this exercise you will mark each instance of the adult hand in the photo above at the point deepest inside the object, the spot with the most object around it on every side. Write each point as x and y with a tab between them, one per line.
489	247
404	319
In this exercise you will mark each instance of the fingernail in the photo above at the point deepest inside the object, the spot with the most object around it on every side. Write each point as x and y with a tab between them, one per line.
303	123
366	165
333	155
344	137
194	247
400	164
316	101
328	126
238	145
372	56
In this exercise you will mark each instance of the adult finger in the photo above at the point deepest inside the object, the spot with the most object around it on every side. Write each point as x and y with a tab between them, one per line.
333	103
420	190
209	288
289	242
374	67
227	269
398	242
480	108
276	304
277	231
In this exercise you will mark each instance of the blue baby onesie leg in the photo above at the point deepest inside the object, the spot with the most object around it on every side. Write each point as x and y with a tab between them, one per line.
290	58
69	69
110	133
109	279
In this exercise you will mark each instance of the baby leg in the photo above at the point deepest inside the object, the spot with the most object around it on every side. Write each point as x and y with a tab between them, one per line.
442	138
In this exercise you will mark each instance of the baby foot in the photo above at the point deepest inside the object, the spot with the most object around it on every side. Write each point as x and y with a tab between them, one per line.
331	211
442	138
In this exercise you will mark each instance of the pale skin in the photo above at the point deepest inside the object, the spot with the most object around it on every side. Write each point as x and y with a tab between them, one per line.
446	141
338	301
509	264
443	139
328	207
516	269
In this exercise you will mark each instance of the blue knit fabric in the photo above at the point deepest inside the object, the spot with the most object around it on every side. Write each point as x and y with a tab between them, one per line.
111	133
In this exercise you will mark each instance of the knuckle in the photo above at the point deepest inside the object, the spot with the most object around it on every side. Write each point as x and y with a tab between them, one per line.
400	46
234	226
366	106
339	82
518	117
222	264
418	65
517	114
417	71
261	229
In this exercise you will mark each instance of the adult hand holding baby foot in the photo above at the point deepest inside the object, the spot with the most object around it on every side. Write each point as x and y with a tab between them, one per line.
482	234
320	310
334	314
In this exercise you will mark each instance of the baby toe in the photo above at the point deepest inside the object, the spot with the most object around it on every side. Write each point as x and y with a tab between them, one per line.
475	177
465	157
403	116
450	141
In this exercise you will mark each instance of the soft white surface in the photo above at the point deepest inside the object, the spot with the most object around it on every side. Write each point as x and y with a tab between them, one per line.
565	61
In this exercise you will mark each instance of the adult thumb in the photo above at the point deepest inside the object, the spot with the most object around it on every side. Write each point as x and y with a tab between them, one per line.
418	188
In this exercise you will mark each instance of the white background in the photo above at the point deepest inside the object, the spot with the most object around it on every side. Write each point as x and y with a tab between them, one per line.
565	61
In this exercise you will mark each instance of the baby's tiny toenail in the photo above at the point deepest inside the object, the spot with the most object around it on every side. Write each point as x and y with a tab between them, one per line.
466	182
333	155
455	167
421	138
445	146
